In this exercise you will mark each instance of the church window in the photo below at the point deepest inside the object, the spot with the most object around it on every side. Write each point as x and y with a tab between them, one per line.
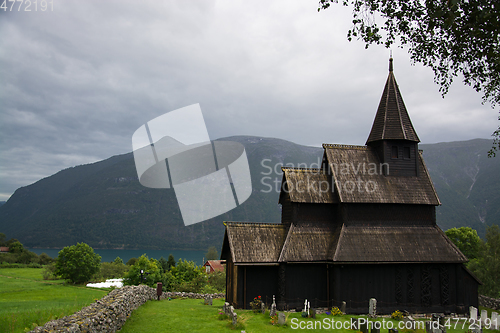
394	153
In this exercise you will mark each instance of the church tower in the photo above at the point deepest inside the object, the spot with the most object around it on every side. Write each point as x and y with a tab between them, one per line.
392	134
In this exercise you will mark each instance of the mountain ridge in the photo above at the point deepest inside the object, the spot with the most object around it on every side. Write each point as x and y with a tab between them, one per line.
104	205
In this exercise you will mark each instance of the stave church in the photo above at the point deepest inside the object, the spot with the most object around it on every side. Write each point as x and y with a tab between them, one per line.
361	226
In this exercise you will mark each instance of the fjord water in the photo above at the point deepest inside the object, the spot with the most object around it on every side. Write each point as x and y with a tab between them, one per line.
108	255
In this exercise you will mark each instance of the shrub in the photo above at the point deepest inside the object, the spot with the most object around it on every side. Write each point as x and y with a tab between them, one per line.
217	280
256	304
336	311
49	272
110	270
77	263
397	315
150	272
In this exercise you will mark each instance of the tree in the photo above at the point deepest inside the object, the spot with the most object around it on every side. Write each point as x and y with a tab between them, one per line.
2	239
171	261
185	271
467	240
487	266
118	261
45	259
452	37
131	261
77	263
163	265
16	247
143	271
212	253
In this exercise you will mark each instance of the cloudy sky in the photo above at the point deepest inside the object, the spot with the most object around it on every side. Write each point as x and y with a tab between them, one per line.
79	78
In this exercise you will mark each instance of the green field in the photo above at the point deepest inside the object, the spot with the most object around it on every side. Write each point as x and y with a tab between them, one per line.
189	315
26	299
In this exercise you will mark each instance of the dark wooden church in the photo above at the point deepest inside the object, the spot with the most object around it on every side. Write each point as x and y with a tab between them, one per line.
363	226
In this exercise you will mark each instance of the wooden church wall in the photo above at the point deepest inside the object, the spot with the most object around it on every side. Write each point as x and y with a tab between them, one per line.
306	281
260	281
313	212
423	288
388	214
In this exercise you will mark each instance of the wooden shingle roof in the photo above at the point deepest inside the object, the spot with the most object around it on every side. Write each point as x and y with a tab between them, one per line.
267	244
392	121
258	243
396	245
358	178
308	185
309	242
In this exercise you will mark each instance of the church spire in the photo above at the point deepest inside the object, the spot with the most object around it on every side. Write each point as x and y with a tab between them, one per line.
392	121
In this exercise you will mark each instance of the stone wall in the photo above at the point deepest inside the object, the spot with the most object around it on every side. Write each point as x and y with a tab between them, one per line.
110	312
488	302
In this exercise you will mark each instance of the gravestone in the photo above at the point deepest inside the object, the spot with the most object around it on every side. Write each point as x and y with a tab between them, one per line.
272	312
263	307
494	321
235	319
484	316
375	329
343	306
313	313
472	313
372	310
281	318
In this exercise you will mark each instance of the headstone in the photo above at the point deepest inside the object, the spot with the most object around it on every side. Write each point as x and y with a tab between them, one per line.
210	300
235	319
263	307
281	318
343	306
375	329
308	308
313	313
494	321
231	310
224	307
484	316
473	313
272	312
372	311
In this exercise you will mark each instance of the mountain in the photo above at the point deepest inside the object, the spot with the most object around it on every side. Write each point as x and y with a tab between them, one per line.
467	182
104	205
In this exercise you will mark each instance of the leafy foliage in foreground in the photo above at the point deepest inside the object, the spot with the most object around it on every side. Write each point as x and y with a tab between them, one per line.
487	265
485	256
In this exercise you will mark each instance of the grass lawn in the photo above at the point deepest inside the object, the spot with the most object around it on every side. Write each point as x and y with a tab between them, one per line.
27	299
188	315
